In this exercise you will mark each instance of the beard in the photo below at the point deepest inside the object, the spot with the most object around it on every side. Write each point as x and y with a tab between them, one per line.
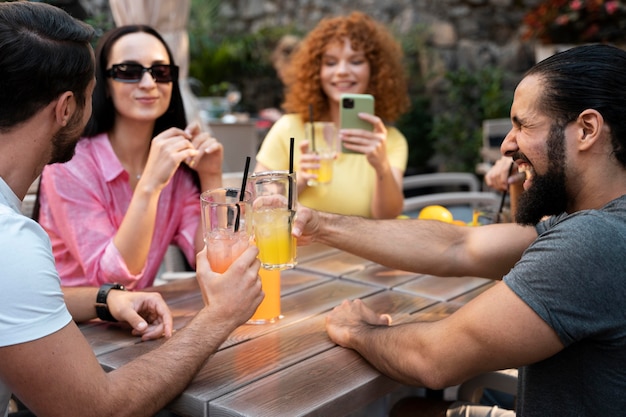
547	194
65	140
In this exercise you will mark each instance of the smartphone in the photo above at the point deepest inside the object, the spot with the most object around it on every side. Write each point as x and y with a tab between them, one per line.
350	106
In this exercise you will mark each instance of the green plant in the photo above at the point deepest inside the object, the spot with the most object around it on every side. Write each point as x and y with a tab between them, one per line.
219	58
457	132
417	122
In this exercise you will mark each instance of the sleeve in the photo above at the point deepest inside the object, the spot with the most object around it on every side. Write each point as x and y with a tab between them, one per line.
31	301
397	149
274	151
86	217
570	277
185	237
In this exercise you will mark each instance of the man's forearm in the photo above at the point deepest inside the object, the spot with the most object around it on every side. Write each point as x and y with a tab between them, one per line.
400	244
172	366
80	302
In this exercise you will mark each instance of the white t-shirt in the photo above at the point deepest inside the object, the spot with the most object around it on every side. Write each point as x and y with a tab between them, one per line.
31	300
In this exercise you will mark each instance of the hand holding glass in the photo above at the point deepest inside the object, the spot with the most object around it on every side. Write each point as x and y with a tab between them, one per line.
322	137
227	229
273	210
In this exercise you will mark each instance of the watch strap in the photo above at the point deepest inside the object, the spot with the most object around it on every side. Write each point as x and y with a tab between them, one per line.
102	308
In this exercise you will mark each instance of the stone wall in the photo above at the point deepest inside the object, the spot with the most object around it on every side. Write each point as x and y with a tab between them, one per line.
462	33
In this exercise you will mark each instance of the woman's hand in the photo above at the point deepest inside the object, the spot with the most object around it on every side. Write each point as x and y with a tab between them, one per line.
308	161
167	150
208	161
373	144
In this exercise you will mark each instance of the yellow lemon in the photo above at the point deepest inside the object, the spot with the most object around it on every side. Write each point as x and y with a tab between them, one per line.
436	213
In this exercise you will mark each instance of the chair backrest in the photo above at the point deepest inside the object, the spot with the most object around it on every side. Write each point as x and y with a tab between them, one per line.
494	132
458	182
461	179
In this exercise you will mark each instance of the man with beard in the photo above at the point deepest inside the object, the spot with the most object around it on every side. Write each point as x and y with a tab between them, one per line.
557	313
46	81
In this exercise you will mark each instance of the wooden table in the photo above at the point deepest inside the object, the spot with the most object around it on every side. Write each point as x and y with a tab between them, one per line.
291	368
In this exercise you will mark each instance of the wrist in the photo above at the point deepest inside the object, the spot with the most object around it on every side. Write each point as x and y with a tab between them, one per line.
102	308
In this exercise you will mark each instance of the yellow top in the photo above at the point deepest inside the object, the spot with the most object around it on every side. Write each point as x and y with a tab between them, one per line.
351	189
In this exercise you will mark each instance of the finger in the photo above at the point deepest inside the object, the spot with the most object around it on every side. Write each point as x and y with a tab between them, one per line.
385	319
155	331
137	322
193	128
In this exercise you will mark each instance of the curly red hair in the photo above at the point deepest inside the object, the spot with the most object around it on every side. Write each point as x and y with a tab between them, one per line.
387	83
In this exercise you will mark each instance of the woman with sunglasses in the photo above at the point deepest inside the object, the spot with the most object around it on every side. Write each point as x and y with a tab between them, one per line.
133	186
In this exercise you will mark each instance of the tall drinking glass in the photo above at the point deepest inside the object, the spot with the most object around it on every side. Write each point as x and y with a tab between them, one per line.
227	225
273	211
322	137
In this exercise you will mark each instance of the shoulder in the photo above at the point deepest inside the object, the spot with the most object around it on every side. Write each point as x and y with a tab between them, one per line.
394	135
32	289
289	121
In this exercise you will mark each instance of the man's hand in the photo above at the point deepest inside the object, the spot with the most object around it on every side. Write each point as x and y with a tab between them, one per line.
305	225
146	312
352	317
234	295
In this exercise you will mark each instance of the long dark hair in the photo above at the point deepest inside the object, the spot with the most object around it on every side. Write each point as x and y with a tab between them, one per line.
103	114
587	77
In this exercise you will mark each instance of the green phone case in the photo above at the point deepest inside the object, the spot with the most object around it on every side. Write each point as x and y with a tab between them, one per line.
350	106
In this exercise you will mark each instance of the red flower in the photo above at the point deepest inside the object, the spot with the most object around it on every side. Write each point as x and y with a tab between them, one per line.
577	21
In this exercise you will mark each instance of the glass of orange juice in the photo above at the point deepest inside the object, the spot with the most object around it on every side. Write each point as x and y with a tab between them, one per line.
322	137
273	211
269	309
227	225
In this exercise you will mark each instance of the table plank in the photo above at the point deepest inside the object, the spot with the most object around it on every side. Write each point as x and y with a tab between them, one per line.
313	251
335	264
333	383
442	289
381	276
293	280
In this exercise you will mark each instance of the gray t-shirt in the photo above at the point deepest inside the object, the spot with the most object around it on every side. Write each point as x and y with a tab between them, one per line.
574	277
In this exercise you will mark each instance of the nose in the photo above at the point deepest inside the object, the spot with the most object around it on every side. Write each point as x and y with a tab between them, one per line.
147	78
342	67
509	144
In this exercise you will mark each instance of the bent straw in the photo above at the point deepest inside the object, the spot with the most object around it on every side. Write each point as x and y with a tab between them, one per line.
312	127
242	192
289	203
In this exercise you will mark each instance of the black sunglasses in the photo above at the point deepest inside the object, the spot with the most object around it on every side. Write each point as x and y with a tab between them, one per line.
132	73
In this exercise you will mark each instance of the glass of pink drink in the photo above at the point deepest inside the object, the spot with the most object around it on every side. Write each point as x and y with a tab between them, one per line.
227	228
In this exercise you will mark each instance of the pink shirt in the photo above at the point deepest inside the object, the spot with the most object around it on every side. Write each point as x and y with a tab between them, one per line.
83	203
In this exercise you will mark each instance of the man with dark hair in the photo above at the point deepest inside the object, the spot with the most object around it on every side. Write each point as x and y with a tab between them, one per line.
46	82
558	313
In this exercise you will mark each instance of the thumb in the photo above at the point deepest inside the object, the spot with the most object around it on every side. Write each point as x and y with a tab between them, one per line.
385	319
135	320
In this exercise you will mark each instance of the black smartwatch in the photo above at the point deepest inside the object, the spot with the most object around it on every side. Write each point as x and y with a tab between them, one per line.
102	308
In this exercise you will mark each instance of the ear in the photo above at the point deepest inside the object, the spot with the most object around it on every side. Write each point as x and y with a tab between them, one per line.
65	107
591	124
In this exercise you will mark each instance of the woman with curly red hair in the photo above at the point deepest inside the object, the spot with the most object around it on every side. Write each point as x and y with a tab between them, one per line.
347	54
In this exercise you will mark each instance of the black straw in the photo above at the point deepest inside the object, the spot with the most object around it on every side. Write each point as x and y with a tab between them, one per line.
311	119
289	203
242	192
